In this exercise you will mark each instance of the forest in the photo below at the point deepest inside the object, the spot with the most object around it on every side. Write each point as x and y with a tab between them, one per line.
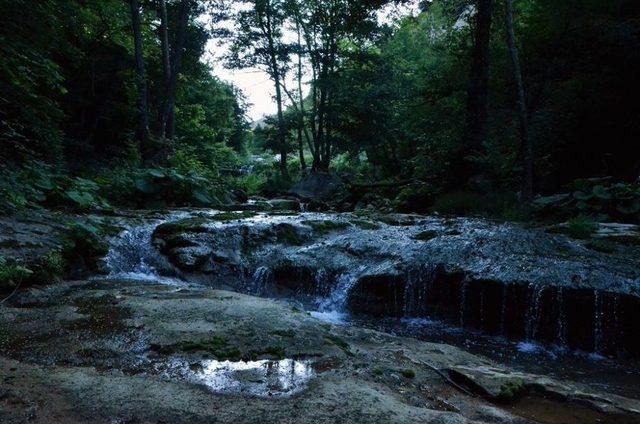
320	211
100	102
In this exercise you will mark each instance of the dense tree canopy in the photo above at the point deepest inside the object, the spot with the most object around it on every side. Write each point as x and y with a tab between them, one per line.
500	96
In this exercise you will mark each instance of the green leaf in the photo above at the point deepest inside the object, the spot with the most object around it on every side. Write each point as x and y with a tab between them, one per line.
601	192
580	195
146	186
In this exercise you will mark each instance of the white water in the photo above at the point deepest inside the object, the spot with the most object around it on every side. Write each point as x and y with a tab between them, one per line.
132	256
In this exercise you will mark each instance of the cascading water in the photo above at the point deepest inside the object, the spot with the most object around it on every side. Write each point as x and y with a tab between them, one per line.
132	256
259	283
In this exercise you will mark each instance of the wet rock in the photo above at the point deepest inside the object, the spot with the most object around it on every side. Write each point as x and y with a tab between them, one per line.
285	205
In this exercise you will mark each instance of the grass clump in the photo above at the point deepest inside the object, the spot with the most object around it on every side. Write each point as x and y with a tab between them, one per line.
581	227
408	373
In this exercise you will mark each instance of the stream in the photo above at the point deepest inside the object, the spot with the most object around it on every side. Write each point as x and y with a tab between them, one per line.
132	256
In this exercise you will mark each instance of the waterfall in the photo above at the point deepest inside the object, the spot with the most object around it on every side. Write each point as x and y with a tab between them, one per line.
132	256
533	315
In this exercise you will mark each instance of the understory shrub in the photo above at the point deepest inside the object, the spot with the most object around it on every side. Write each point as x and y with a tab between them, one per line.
602	199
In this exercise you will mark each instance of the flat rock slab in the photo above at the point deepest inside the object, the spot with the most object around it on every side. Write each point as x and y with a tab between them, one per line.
105	351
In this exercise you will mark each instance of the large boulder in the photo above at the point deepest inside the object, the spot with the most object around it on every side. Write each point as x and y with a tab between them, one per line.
319	186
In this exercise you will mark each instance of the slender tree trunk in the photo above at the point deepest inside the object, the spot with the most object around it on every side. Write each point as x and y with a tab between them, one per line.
477	108
303	165
275	73
166	63
142	131
526	148
181	36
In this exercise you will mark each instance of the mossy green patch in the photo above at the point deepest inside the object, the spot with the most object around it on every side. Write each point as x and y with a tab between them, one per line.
274	352
217	346
233	216
325	226
511	390
339	342
408	373
426	235
364	224
287	234
397	221
284	333
187	225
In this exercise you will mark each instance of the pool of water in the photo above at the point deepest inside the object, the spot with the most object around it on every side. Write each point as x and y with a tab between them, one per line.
265	378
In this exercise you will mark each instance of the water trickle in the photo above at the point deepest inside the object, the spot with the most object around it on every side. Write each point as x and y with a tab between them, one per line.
598	332
463	300
418	282
303	207
322	281
561	334
533	315
503	309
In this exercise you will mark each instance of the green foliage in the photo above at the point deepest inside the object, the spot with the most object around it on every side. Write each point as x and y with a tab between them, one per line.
84	244
581	227
469	203
12	274
511	390
51	267
602	199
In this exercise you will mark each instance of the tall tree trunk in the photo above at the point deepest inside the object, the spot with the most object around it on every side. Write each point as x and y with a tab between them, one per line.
142	131
275	74
181	36
303	165
477	108
166	63
526	148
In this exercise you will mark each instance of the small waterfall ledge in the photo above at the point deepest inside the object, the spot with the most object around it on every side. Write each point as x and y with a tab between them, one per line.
500	279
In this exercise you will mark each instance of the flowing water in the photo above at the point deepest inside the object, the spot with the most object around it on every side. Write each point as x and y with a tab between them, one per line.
132	256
